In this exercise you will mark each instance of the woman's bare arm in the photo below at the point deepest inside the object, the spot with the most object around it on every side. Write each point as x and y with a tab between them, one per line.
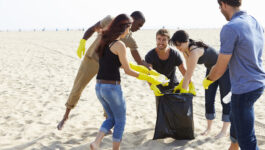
119	49
192	60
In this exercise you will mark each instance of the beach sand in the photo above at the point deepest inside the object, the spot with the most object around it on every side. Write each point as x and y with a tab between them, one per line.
37	70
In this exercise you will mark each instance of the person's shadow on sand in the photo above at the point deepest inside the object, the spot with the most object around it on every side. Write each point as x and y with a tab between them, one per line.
141	140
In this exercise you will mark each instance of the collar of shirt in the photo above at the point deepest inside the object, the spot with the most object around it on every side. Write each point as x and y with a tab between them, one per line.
239	13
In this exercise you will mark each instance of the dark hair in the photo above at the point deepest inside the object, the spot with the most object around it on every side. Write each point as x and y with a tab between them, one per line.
179	36
114	30
163	32
233	3
182	36
197	43
137	15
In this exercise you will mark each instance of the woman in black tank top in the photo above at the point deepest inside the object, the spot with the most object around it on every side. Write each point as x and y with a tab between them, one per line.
112	55
200	53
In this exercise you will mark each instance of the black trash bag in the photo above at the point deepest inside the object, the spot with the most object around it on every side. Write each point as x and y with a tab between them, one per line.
175	117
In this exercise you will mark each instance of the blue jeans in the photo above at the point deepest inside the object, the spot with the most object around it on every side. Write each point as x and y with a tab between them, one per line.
111	98
242	119
224	87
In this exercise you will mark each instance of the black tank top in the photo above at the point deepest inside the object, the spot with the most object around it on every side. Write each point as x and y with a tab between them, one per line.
109	65
209	57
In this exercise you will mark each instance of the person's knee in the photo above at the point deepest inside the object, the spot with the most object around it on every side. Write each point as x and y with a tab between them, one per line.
120	120
111	120
209	101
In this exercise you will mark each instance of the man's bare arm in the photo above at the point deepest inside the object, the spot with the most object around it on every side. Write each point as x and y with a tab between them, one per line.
139	60
89	32
220	67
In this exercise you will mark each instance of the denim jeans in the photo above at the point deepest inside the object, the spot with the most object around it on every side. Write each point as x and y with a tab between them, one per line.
242	119
111	98
224	87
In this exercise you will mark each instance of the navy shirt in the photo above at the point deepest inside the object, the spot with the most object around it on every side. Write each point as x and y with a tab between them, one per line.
166	67
242	37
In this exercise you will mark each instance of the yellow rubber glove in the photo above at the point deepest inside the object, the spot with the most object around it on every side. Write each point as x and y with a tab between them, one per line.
82	48
163	79
160	77
192	89
206	83
149	78
153	72
156	90
183	91
178	87
139	68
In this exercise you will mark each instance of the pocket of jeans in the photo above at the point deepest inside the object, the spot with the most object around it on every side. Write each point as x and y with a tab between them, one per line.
253	96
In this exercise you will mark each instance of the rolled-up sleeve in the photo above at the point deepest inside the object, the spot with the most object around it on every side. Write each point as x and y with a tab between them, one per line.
130	42
106	21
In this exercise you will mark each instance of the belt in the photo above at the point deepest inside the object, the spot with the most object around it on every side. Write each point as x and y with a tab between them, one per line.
108	82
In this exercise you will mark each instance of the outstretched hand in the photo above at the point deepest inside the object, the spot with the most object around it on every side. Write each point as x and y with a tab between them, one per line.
150	76
81	48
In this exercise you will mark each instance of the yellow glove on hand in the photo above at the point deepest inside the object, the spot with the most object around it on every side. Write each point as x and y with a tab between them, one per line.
163	79
160	77
183	91
206	83
149	78
153	72
156	90
82	48
178	87
139	68
192	89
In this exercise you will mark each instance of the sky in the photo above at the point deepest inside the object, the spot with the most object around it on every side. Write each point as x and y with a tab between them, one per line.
76	14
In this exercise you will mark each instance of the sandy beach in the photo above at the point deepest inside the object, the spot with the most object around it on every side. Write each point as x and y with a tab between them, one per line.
37	70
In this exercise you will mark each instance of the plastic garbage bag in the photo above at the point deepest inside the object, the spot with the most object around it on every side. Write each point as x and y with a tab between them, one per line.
175	117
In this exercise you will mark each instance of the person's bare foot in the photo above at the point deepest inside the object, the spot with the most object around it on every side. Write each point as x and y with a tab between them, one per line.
234	146
221	134
94	146
60	124
206	132
208	129
65	117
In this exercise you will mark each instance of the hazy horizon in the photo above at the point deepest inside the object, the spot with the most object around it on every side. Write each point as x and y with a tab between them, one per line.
28	15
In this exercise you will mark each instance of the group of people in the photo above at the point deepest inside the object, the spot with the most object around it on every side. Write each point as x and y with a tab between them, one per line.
237	67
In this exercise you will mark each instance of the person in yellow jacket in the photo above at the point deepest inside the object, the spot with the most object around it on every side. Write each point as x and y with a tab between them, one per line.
89	66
